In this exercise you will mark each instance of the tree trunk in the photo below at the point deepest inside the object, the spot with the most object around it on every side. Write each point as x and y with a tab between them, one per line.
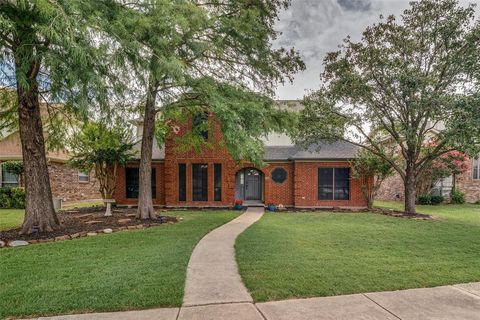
39	212
410	190
145	202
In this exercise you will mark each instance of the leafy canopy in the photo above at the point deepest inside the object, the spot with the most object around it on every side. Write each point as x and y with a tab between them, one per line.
406	81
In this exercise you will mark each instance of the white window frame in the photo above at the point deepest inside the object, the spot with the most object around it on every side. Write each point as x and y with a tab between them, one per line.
82	175
12	182
476	165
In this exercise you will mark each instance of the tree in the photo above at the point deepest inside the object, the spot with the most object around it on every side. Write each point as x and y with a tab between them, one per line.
206	56
403	83
102	148
371	170
49	51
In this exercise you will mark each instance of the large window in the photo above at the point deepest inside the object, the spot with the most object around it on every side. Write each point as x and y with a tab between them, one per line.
333	183
132	179
182	182
9	180
217	183
200	182
476	168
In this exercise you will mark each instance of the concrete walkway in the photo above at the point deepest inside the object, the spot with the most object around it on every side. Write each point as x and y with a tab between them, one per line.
212	274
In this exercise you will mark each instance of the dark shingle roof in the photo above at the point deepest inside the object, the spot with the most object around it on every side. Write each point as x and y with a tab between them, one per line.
321	151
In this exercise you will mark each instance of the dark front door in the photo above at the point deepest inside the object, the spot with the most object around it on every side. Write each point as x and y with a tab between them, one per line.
253	185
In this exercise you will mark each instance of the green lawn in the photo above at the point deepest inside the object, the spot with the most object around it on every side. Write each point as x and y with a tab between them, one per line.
287	255
124	270
10	218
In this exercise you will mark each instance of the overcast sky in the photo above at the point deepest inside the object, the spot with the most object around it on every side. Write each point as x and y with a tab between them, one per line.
315	27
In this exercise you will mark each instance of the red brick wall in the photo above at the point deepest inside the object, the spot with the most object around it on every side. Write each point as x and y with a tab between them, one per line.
306	186
299	189
120	192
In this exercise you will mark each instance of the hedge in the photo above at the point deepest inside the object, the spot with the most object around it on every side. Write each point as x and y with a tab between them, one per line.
12	198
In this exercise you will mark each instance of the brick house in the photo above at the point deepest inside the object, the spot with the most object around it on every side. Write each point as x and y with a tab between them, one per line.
293	177
67	183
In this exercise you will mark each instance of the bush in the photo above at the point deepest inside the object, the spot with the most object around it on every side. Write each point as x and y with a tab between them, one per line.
457	197
428	199
437	199
12	198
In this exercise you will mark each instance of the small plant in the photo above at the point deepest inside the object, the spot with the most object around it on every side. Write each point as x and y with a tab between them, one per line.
457	197
424	199
436	199
12	198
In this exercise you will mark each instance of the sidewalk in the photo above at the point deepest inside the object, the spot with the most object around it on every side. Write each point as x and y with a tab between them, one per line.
441	303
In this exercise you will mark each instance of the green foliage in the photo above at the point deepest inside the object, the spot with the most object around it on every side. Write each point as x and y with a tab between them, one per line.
97	144
428	199
401	81
12	198
13	167
457	197
217	59
368	164
102	148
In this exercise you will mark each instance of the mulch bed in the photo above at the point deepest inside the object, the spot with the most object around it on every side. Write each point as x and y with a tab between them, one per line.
401	214
387	212
78	222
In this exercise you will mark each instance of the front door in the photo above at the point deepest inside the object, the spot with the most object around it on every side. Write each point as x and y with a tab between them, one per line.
253	185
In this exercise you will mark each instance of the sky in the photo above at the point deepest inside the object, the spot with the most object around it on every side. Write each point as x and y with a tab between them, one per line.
315	27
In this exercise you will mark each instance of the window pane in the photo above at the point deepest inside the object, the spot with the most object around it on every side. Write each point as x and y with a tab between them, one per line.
476	168
131	182
9	180
325	184
342	183
200	182
218	182
83	177
200	125
182	182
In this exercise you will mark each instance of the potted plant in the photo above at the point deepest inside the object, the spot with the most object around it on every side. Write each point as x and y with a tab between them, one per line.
238	204
271	207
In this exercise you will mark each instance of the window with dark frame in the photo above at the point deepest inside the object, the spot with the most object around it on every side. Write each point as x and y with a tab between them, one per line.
9	180
131	183
200	182
182	182
217	183
200	124
333	183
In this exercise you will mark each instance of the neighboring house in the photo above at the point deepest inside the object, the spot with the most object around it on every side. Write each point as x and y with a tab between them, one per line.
67	183
293	177
469	182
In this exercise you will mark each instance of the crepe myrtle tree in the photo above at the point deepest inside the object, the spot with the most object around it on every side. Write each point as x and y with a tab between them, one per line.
211	57
50	51
104	148
404	82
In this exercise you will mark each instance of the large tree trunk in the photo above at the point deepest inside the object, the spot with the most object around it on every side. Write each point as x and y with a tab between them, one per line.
39	212
145	202
410	190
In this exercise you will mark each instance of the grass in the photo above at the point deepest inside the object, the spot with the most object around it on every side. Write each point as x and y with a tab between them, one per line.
122	271
288	255
10	218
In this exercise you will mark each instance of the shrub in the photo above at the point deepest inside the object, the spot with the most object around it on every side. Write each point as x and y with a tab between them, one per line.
424	199
12	198
18	198
457	197
436	199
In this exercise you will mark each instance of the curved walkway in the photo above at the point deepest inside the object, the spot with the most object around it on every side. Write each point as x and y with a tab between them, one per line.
212	274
